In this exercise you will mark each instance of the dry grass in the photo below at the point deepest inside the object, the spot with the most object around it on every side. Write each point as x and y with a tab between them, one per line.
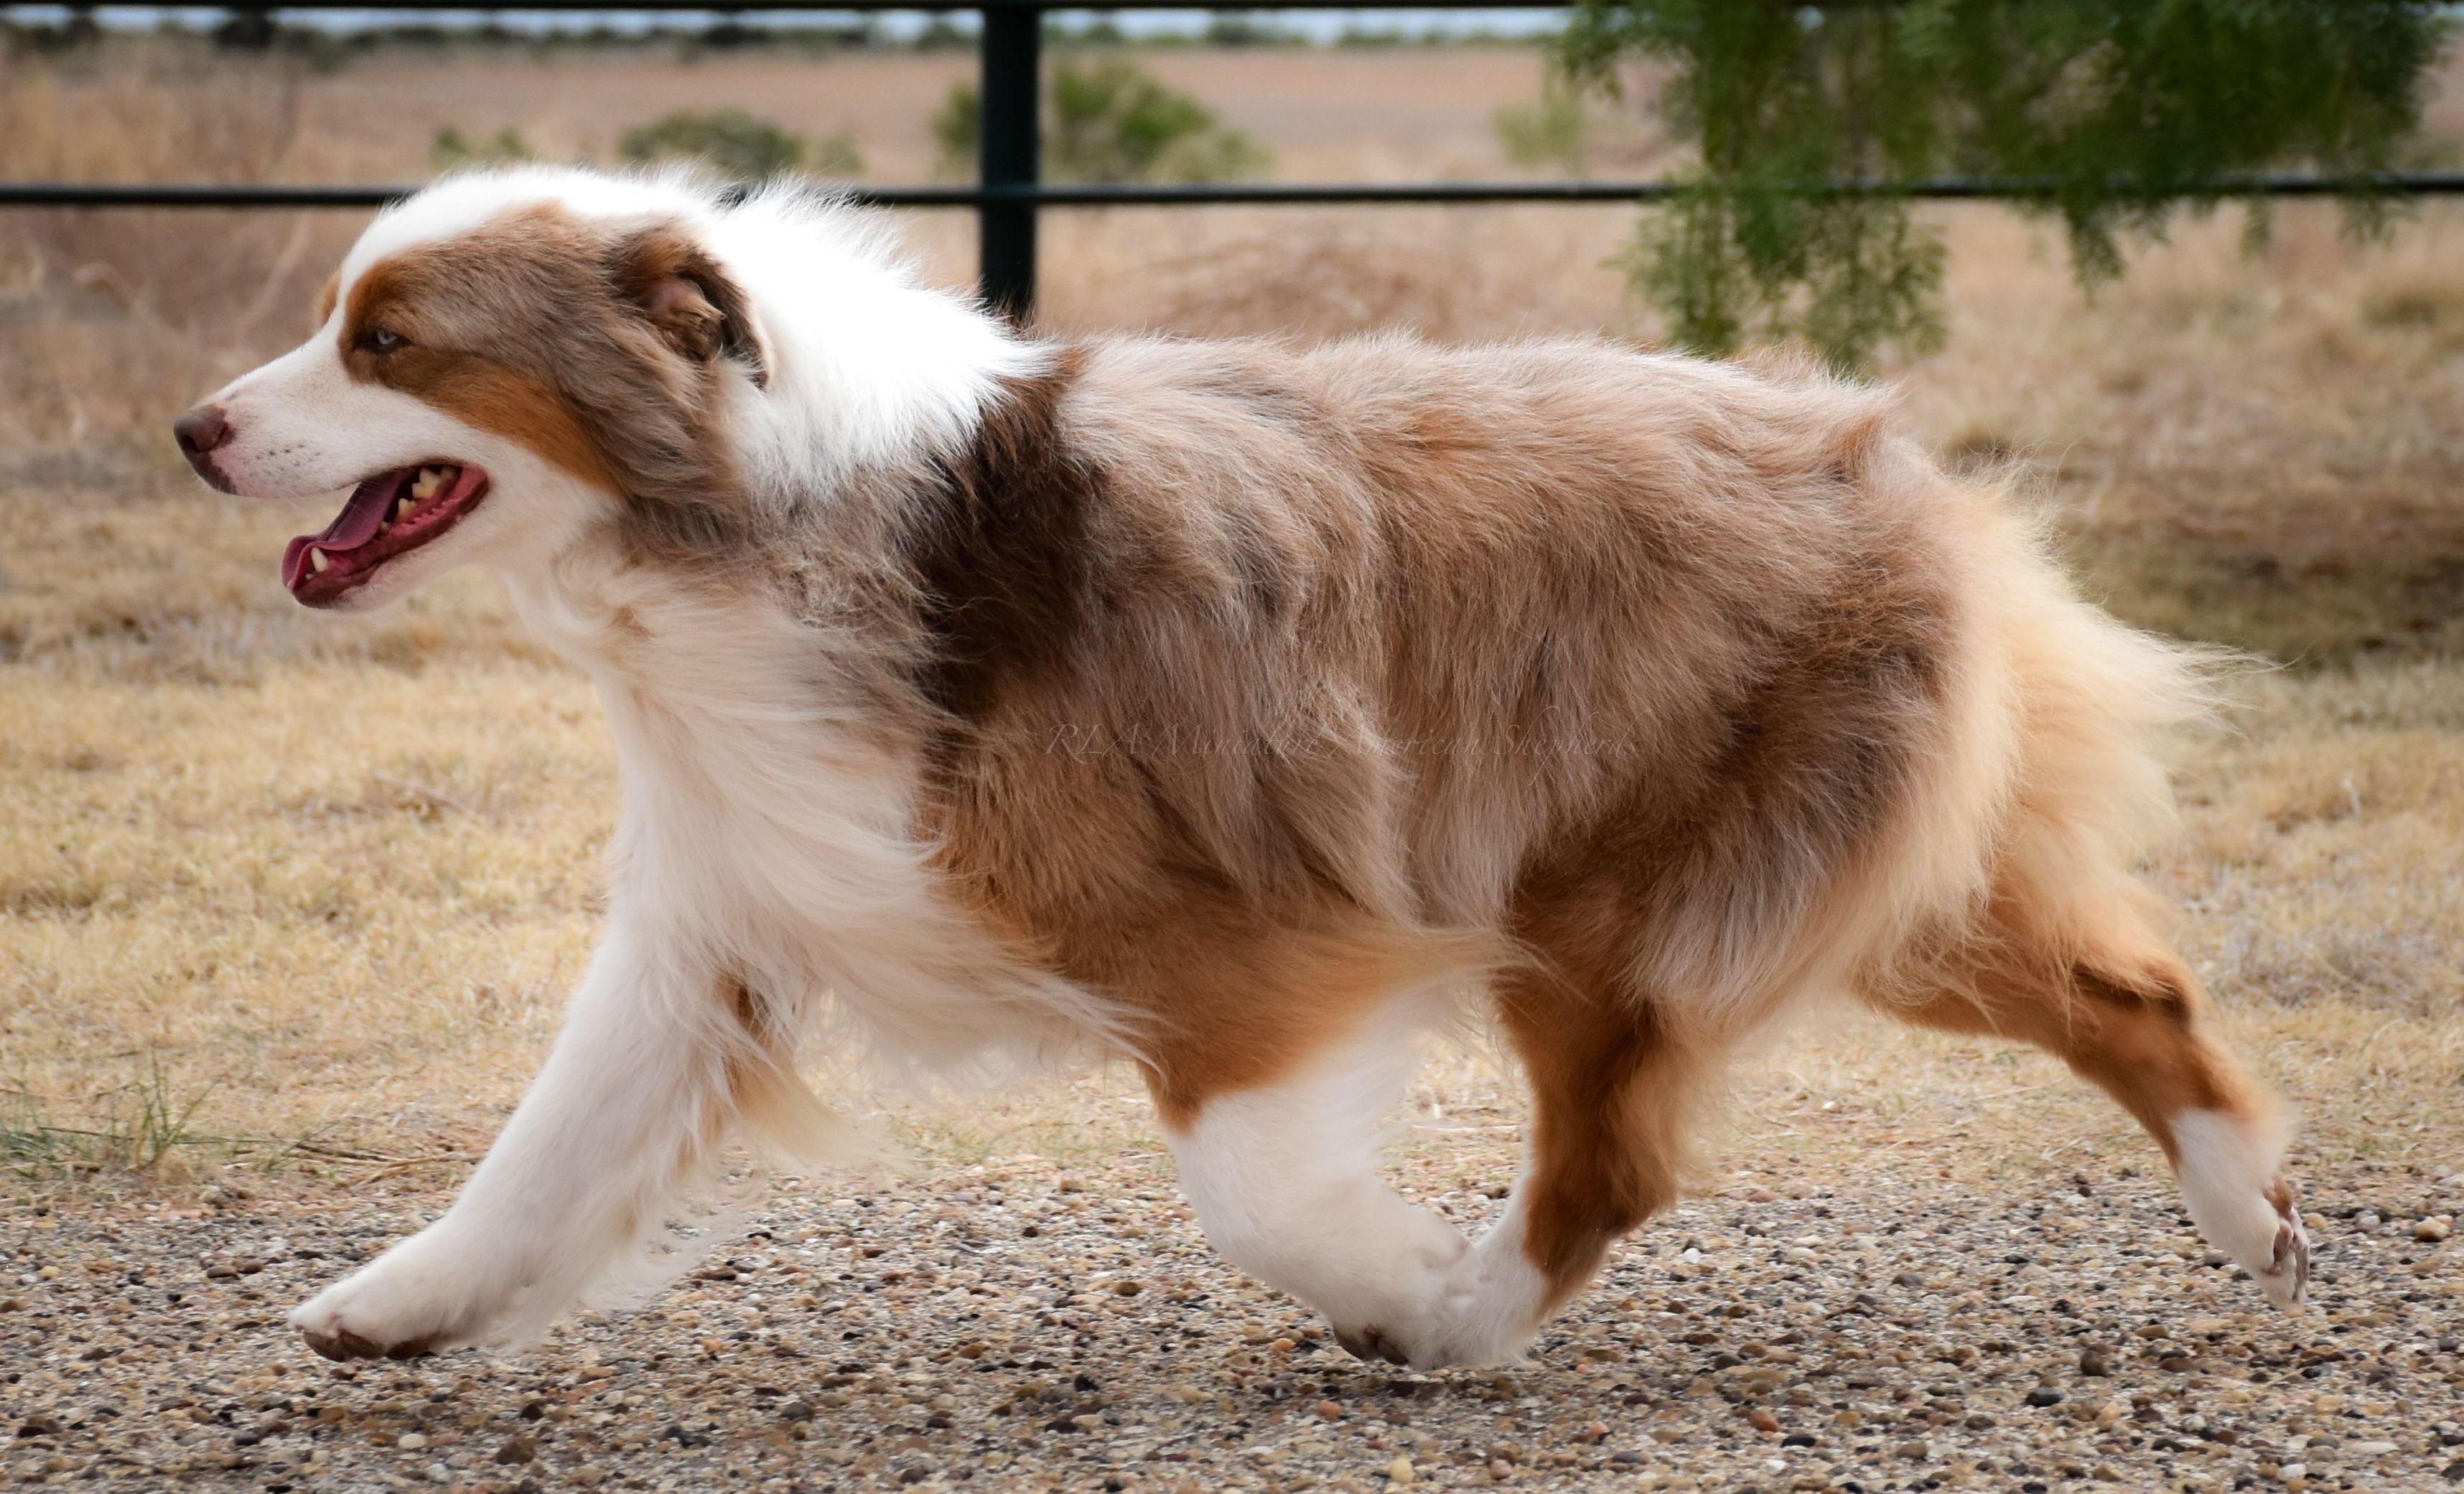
268	875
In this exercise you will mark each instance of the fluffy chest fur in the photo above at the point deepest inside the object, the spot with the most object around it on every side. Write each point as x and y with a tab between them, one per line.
770	826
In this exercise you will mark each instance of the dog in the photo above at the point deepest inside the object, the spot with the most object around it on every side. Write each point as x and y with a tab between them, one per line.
1236	709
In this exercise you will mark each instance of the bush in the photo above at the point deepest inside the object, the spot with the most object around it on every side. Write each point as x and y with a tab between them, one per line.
1548	134
451	149
1113	121
2113	113
741	144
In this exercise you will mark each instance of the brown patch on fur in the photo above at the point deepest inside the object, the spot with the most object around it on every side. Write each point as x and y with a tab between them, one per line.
2126	1015
603	347
1000	554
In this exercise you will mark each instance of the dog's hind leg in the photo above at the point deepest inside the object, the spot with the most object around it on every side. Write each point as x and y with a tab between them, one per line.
659	1057
2124	1013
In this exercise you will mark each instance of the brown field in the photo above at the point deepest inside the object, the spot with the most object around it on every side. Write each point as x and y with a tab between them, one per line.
287	876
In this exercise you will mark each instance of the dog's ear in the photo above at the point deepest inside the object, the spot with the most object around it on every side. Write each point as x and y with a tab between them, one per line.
679	287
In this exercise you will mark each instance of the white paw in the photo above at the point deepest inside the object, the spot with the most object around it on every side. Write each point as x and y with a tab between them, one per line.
421	1296
2240	1203
1481	1308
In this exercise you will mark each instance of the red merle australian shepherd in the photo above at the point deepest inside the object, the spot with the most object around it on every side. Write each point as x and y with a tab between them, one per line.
1236	709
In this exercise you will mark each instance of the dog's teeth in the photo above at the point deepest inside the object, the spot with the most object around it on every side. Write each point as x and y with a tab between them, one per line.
316	561
401	506
425	486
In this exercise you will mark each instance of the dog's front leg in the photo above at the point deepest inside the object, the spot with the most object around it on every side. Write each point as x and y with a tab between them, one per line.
641	1087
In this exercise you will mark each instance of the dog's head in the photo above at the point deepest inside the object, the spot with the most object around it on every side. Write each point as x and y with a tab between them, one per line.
501	363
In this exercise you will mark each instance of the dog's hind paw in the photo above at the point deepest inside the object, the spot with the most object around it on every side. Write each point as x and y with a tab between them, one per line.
2241	1203
2287	1279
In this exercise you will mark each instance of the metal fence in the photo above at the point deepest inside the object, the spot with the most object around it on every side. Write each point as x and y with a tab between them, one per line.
1009	192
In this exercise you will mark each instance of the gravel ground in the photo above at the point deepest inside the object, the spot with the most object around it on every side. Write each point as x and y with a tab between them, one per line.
1021	1323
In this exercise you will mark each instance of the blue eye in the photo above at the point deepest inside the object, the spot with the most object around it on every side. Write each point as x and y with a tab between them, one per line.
382	340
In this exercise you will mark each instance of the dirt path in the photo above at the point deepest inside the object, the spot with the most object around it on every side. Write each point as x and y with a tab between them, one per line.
1022	1323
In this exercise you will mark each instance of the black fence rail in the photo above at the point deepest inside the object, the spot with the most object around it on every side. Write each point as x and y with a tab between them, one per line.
1008	193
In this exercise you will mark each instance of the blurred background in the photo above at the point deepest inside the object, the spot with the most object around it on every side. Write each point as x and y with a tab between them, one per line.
268	875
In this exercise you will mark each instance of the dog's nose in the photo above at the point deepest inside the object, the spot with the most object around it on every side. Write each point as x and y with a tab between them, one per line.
199	432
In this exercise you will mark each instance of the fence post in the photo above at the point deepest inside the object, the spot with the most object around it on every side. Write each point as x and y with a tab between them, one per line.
1010	150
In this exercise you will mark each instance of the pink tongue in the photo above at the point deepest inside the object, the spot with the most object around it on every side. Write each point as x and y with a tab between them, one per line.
354	526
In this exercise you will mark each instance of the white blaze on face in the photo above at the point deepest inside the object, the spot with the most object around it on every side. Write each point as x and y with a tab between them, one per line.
303	427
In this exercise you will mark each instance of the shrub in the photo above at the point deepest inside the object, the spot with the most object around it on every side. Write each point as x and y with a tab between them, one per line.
1551	133
2113	113
741	144
451	149
1113	121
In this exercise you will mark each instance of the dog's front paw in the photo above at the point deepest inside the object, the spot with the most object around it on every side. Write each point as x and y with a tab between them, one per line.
1481	1308
418	1298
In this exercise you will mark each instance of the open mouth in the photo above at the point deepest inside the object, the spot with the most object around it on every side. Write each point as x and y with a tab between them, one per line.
389	515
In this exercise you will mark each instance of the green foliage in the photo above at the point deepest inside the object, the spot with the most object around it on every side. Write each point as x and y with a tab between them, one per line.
1113	121
451	149
140	1125
741	145
1550	134
956	127
2112	113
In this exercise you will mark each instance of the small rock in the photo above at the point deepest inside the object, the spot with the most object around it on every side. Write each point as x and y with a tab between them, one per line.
1328	1409
1762	1420
2432	1230
2292	1471
411	1442
2453	1472
2371	1449
2044	1395
1127	1287
2092	1361
1400	1471
516	1450
1916	1452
